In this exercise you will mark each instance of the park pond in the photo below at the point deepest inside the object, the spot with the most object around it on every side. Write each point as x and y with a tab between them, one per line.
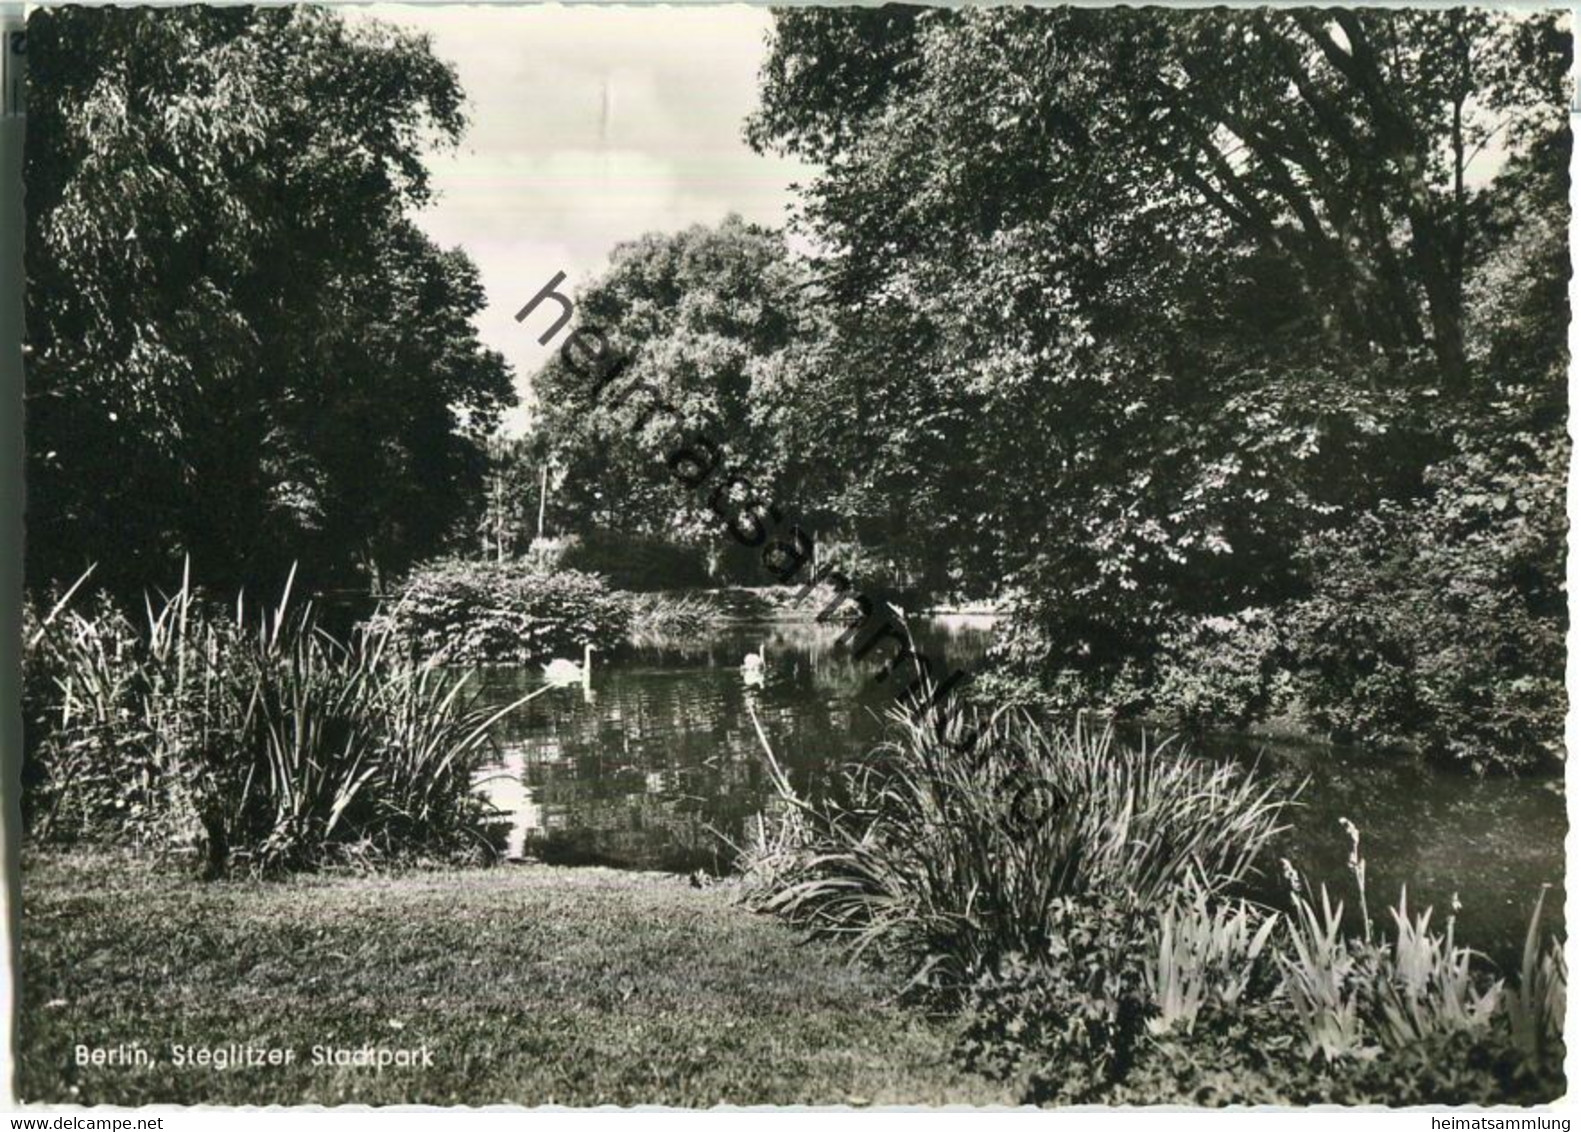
656	765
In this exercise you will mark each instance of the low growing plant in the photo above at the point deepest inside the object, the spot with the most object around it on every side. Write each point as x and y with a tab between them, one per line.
1066	1023
264	740
1535	1003
1426	984
948	862
1359	997
1321	980
1203	955
464	612
658	617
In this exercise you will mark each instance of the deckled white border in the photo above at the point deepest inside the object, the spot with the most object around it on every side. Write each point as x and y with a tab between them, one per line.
272	1116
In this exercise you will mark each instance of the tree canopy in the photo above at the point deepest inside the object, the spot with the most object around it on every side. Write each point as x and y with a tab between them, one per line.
1181	287
242	348
1130	318
706	316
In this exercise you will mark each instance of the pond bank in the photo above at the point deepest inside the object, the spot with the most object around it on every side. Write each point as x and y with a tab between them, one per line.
750	604
658	766
527	984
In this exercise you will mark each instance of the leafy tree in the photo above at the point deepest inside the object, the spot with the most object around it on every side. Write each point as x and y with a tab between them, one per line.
1339	143
242	349
512	489
1140	300
703	315
1440	621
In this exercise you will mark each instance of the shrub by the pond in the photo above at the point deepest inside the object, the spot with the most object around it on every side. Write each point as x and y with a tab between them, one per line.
261	740
949	863
1097	949
666	616
1216	1002
1221	670
464	612
1440	624
638	562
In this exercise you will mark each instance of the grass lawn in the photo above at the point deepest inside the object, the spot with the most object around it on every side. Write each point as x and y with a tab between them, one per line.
528	985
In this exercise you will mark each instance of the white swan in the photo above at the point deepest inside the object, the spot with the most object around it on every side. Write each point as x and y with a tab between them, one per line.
754	667
561	671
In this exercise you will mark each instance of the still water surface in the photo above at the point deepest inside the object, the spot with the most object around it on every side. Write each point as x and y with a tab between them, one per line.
657	766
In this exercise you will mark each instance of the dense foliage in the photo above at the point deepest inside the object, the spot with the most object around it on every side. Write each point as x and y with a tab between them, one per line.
254	738
1099	946
640	563
465	612
1439	623
1187	335
704	316
242	348
948	863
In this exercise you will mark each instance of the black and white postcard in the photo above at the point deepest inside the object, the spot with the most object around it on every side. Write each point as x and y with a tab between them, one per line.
831	556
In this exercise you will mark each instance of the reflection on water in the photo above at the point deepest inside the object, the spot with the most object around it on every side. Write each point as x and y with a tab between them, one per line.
657	766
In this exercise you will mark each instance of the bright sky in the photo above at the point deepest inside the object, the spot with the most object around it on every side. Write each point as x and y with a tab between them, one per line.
590	126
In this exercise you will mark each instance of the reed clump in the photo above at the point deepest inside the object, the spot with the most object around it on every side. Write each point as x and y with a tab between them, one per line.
949	862
253	736
1080	903
660	617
